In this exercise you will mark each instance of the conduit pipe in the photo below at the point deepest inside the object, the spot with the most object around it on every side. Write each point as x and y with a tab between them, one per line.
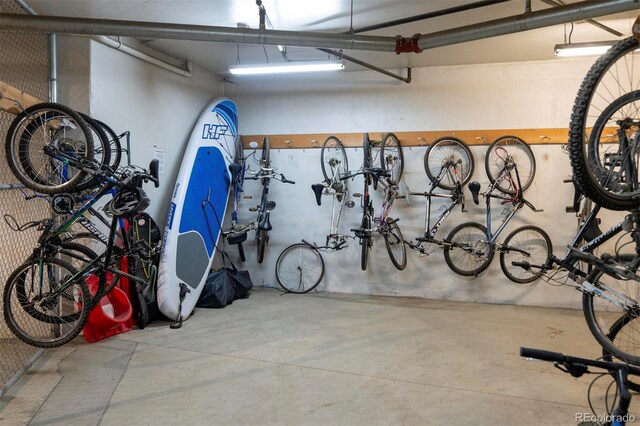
84	26
187	71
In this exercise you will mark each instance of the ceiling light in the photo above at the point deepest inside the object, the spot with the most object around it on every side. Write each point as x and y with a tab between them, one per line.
583	49
286	67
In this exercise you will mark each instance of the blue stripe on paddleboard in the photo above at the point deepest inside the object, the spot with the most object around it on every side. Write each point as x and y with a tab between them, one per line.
228	111
209	173
172	210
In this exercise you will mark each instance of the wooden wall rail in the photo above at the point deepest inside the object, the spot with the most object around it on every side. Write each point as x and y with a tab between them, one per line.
471	137
13	100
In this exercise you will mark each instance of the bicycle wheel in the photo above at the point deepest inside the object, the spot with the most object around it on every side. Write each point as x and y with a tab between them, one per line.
452	154
505	151
391	157
614	301
299	268
37	311
366	157
114	145
101	153
365	242
618	327
266	153
395	246
262	236
334	162
526	244
607	106
53	128
468	252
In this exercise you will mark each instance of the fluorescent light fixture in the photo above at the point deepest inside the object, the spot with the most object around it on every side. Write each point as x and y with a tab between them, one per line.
286	67
583	49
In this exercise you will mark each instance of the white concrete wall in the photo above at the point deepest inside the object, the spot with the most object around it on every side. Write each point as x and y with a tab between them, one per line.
508	96
158	107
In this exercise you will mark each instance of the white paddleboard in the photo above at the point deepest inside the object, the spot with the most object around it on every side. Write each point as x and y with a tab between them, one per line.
201	192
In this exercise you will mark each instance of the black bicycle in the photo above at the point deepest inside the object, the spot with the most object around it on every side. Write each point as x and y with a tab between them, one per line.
577	367
604	137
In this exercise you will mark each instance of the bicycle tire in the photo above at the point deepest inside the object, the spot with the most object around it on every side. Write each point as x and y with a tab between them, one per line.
600	89
43	329
366	157
517	151
392	239
526	244
78	256
101	153
261	238
114	145
616	328
602	315
391	156
303	262
464	244
37	122
449	151
266	153
238	153
365	242
334	162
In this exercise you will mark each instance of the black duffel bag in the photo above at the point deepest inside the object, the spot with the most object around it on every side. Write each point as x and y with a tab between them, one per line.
223	286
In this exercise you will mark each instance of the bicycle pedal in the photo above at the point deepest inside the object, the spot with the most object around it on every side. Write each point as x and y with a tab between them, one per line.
400	197
253	209
247	197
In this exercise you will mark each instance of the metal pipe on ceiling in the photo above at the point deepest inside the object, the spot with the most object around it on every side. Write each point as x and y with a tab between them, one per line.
559	15
429	15
341	55
543	18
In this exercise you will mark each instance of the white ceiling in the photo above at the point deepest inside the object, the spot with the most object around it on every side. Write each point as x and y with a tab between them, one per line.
334	16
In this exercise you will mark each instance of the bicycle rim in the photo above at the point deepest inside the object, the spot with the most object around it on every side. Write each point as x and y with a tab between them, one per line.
453	155
334	163
391	157
37	311
526	244
605	169
508	150
48	126
395	246
468	253
603	315
299	268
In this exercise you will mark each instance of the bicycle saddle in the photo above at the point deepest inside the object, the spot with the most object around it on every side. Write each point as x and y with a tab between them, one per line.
474	188
317	189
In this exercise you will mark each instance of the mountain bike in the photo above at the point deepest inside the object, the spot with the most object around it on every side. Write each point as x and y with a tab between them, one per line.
473	245
449	165
46	300
266	206
604	136
577	367
382	225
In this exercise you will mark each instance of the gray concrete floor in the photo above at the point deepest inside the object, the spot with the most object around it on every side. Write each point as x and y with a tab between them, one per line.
317	359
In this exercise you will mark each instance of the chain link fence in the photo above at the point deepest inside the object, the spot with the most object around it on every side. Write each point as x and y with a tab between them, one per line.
24	64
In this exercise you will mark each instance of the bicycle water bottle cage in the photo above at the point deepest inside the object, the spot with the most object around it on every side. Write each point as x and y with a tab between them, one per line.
317	189
235	171
474	187
265	223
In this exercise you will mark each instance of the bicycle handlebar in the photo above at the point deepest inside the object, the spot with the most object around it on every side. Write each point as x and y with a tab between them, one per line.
567	360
